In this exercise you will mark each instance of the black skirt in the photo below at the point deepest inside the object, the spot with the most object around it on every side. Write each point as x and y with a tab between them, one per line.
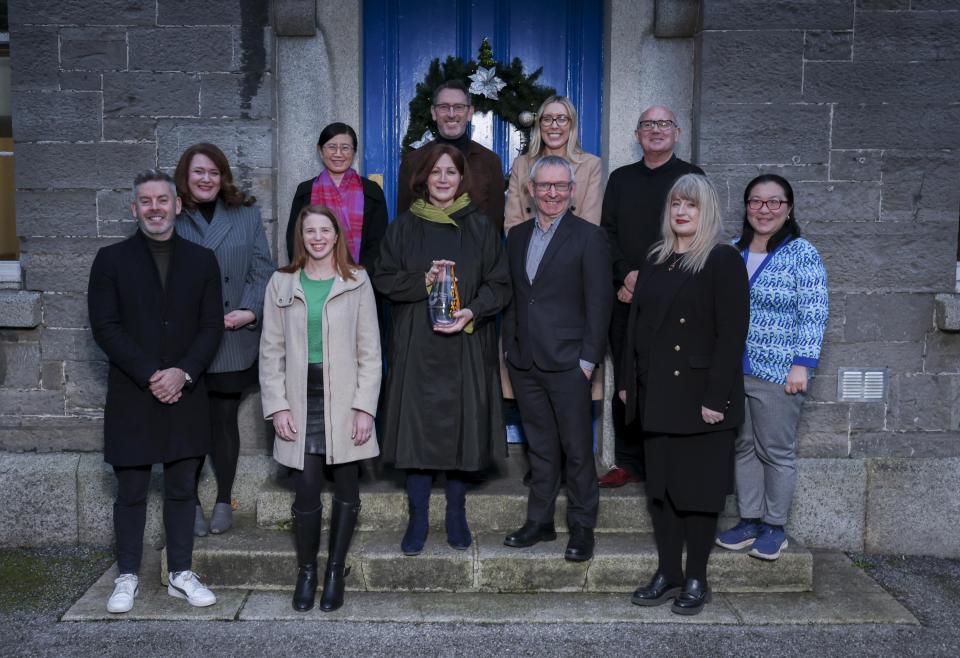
315	439
233	382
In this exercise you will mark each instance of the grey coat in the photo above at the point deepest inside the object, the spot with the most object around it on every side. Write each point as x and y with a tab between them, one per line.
237	238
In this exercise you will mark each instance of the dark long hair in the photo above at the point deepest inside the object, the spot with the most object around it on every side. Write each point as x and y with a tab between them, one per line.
433	152
790	228
231	195
342	261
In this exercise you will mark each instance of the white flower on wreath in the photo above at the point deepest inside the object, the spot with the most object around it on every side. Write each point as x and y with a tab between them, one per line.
486	82
425	139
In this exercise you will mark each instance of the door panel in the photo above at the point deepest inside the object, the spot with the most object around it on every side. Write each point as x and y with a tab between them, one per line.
402	37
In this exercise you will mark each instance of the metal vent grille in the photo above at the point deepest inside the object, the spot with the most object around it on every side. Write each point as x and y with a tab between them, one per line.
862	384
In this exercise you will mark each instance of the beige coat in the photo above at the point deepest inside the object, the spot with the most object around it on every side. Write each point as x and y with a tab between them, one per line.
587	196
351	364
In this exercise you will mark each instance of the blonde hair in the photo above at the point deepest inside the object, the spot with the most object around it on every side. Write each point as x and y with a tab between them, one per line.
698	190
574	152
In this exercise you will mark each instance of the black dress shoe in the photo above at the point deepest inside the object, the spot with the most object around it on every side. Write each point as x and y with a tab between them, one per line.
659	591
580	544
691	600
530	534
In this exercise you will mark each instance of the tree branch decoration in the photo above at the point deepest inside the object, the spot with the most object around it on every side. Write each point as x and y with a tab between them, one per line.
494	87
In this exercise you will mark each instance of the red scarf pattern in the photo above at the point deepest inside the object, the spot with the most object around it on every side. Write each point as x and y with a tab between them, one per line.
346	201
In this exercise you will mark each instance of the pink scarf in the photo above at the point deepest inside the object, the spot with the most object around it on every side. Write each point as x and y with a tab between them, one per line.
346	201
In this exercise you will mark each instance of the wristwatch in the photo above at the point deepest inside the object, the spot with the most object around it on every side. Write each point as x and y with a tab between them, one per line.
187	378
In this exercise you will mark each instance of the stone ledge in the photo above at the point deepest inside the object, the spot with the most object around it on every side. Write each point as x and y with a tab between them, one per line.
947	311
675	19
19	309
295	18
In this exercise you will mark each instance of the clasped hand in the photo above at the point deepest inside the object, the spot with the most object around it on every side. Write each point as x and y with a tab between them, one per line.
167	385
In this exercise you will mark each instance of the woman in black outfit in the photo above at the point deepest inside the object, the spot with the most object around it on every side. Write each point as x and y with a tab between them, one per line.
336	187
682	377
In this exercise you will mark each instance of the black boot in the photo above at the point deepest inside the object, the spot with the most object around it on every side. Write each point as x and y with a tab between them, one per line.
307	534
343	519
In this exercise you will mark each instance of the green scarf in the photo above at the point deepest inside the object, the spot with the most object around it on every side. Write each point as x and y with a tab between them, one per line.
431	213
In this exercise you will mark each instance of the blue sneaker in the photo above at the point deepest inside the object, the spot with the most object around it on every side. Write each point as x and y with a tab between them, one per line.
771	541
740	535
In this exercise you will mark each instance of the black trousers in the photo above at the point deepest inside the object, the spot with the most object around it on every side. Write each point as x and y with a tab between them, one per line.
130	513
555	408
225	442
672	528
314	476
627	440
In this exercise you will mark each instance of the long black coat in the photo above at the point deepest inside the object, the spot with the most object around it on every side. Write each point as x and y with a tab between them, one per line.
694	360
142	329
443	406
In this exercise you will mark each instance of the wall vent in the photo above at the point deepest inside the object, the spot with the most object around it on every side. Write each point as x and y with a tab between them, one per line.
862	384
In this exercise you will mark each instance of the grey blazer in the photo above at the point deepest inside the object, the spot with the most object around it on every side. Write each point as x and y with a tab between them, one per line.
237	238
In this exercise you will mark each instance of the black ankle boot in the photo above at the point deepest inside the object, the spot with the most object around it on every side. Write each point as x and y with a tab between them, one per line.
343	520
307	535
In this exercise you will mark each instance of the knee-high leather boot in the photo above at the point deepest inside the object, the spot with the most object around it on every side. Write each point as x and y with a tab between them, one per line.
343	519
307	532
418	498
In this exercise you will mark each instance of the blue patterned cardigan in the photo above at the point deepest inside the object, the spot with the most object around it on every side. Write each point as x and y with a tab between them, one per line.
788	311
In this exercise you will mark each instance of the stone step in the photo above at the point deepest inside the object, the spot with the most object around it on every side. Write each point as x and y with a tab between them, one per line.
498	505
842	594
258	558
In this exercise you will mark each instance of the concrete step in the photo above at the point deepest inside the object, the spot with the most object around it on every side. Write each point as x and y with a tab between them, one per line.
496	505
262	559
842	594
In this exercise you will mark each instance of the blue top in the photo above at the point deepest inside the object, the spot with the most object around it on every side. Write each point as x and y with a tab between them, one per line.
788	311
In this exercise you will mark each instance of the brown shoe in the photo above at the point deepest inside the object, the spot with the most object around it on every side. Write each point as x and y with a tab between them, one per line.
616	477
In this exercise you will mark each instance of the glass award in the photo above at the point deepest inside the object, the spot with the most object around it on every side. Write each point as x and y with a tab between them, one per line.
444	299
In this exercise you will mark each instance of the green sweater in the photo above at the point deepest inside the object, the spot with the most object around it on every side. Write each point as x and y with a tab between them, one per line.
316	294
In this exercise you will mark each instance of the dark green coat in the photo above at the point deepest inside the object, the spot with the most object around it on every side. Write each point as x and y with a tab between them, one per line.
443	399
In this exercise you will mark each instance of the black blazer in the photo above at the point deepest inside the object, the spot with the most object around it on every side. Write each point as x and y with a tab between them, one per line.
143	328
374	219
696	355
563	316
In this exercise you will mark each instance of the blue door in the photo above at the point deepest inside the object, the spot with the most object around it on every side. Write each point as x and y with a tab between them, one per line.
401	37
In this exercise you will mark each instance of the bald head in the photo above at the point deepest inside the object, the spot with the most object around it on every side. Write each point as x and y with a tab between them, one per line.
657	132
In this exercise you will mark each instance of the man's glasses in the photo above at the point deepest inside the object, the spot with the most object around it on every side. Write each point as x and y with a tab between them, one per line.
662	124
444	108
559	187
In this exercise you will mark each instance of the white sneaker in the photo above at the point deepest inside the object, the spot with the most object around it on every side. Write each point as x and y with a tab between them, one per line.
125	590
186	585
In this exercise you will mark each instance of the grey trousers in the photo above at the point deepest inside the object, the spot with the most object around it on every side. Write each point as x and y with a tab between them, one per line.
766	456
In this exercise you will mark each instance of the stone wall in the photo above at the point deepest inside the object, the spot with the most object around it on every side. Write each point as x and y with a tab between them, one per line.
855	103
101	90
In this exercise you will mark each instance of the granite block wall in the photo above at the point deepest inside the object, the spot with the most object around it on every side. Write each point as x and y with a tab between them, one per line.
102	90
855	103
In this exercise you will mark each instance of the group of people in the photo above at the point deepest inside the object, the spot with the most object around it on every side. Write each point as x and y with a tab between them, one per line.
711	341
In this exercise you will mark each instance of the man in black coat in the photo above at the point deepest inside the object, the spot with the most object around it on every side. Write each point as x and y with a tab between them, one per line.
554	335
632	213
154	302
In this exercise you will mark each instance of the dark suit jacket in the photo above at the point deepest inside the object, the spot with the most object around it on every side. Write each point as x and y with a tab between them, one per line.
487	183
374	219
563	316
143	328
695	358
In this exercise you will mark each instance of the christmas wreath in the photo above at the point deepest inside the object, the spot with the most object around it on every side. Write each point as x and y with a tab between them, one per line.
494	87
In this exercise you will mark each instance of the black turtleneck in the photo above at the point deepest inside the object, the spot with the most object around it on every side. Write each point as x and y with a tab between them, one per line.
161	250
462	143
207	209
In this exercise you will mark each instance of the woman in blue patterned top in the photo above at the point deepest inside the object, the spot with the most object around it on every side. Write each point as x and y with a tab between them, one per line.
788	316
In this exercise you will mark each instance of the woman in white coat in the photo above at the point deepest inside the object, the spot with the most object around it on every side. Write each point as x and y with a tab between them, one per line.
320	374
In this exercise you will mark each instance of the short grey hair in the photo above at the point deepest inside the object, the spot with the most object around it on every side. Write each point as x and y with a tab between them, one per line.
153	175
551	161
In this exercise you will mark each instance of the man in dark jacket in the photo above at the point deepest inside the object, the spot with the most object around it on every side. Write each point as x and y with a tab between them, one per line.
554	335
632	213
452	111
154	301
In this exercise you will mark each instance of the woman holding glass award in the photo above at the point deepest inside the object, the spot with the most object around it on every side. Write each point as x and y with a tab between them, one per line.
443	269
